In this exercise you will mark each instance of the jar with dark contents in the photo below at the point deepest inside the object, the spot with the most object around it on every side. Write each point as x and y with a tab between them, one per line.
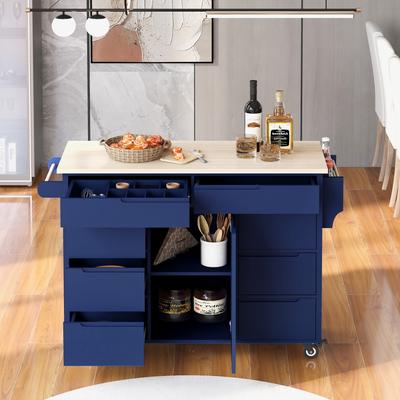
174	305
210	306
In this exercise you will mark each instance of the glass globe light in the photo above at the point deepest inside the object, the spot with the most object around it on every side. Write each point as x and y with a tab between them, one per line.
63	25
97	25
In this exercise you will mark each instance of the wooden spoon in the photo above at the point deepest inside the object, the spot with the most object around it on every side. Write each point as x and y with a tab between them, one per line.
199	227
218	235
204	228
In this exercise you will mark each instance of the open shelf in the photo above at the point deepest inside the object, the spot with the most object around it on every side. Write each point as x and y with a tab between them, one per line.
190	332
188	264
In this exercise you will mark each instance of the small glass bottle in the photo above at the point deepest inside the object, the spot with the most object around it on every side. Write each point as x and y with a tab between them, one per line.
326	150
279	126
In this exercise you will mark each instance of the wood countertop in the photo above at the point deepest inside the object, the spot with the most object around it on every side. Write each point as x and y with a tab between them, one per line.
89	157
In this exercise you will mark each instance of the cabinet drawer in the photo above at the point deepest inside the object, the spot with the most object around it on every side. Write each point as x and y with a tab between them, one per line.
263	195
295	274
259	234
333	199
104	339
147	204
104	289
278	320
104	243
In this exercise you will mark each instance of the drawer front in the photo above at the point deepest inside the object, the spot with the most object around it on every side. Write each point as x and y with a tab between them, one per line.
104	344
104	243
259	234
125	213
145	203
295	274
278	320
257	199
92	289
333	199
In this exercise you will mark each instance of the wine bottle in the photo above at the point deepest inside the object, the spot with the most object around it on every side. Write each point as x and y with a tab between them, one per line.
253	115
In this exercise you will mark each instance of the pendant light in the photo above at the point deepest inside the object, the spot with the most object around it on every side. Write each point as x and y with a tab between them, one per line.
63	25
97	25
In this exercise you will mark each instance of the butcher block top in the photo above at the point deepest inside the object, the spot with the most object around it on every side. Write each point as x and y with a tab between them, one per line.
89	157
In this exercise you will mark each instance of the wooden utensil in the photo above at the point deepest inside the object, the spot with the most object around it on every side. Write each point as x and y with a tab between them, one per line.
220	220
199	227
218	235
227	224
209	218
204	228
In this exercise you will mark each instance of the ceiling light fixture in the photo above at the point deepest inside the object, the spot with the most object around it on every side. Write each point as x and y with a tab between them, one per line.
97	25
63	25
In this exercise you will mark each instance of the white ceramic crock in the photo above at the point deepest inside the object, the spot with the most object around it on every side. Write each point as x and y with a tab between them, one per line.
213	254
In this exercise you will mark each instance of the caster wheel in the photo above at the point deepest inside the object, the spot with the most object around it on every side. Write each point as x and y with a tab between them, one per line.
311	351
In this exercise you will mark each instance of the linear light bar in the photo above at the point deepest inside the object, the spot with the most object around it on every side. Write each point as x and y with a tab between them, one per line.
345	13
323	14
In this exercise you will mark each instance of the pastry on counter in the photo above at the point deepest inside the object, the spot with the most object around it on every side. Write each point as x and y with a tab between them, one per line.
178	153
130	141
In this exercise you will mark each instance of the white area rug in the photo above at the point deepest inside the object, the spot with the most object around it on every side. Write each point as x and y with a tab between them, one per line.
187	388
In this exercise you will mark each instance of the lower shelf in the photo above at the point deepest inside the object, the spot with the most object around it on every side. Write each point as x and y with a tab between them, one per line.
190	332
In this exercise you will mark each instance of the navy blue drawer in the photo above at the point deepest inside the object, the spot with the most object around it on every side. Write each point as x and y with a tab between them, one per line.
261	234
104	243
278	320
282	195
104	339
147	204
104	289
295	274
333	199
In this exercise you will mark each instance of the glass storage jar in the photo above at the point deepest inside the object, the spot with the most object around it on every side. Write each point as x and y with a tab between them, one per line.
210	305
174	305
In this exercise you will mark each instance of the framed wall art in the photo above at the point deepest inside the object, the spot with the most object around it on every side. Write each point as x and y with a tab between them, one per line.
158	37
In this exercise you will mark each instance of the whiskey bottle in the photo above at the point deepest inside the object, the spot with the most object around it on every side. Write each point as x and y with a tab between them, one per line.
279	126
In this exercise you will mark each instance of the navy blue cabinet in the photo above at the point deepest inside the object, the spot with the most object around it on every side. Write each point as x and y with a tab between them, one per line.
261	195
273	278
104	339
104	289
278	319
278	274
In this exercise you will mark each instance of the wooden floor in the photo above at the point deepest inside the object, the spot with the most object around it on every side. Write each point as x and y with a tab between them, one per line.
361	310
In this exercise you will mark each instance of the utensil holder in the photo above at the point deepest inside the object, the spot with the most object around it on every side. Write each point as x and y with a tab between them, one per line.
213	254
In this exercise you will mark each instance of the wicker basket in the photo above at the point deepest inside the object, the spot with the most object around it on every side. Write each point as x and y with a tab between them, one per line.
134	156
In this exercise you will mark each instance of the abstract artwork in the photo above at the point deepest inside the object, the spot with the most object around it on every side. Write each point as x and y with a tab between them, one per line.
158	37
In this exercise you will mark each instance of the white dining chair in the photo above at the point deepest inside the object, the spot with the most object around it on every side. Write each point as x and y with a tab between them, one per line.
394	128
385	53
373	31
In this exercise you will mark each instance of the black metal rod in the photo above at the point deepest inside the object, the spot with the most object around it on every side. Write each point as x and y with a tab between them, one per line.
199	10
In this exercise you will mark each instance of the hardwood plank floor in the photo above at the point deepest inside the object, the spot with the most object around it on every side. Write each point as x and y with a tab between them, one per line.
361	309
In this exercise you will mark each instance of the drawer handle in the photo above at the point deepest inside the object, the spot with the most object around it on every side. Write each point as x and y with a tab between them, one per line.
112	270
97	325
222	187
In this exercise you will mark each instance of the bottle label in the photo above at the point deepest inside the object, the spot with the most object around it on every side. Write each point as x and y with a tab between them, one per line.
253	125
279	133
209	307
174	307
